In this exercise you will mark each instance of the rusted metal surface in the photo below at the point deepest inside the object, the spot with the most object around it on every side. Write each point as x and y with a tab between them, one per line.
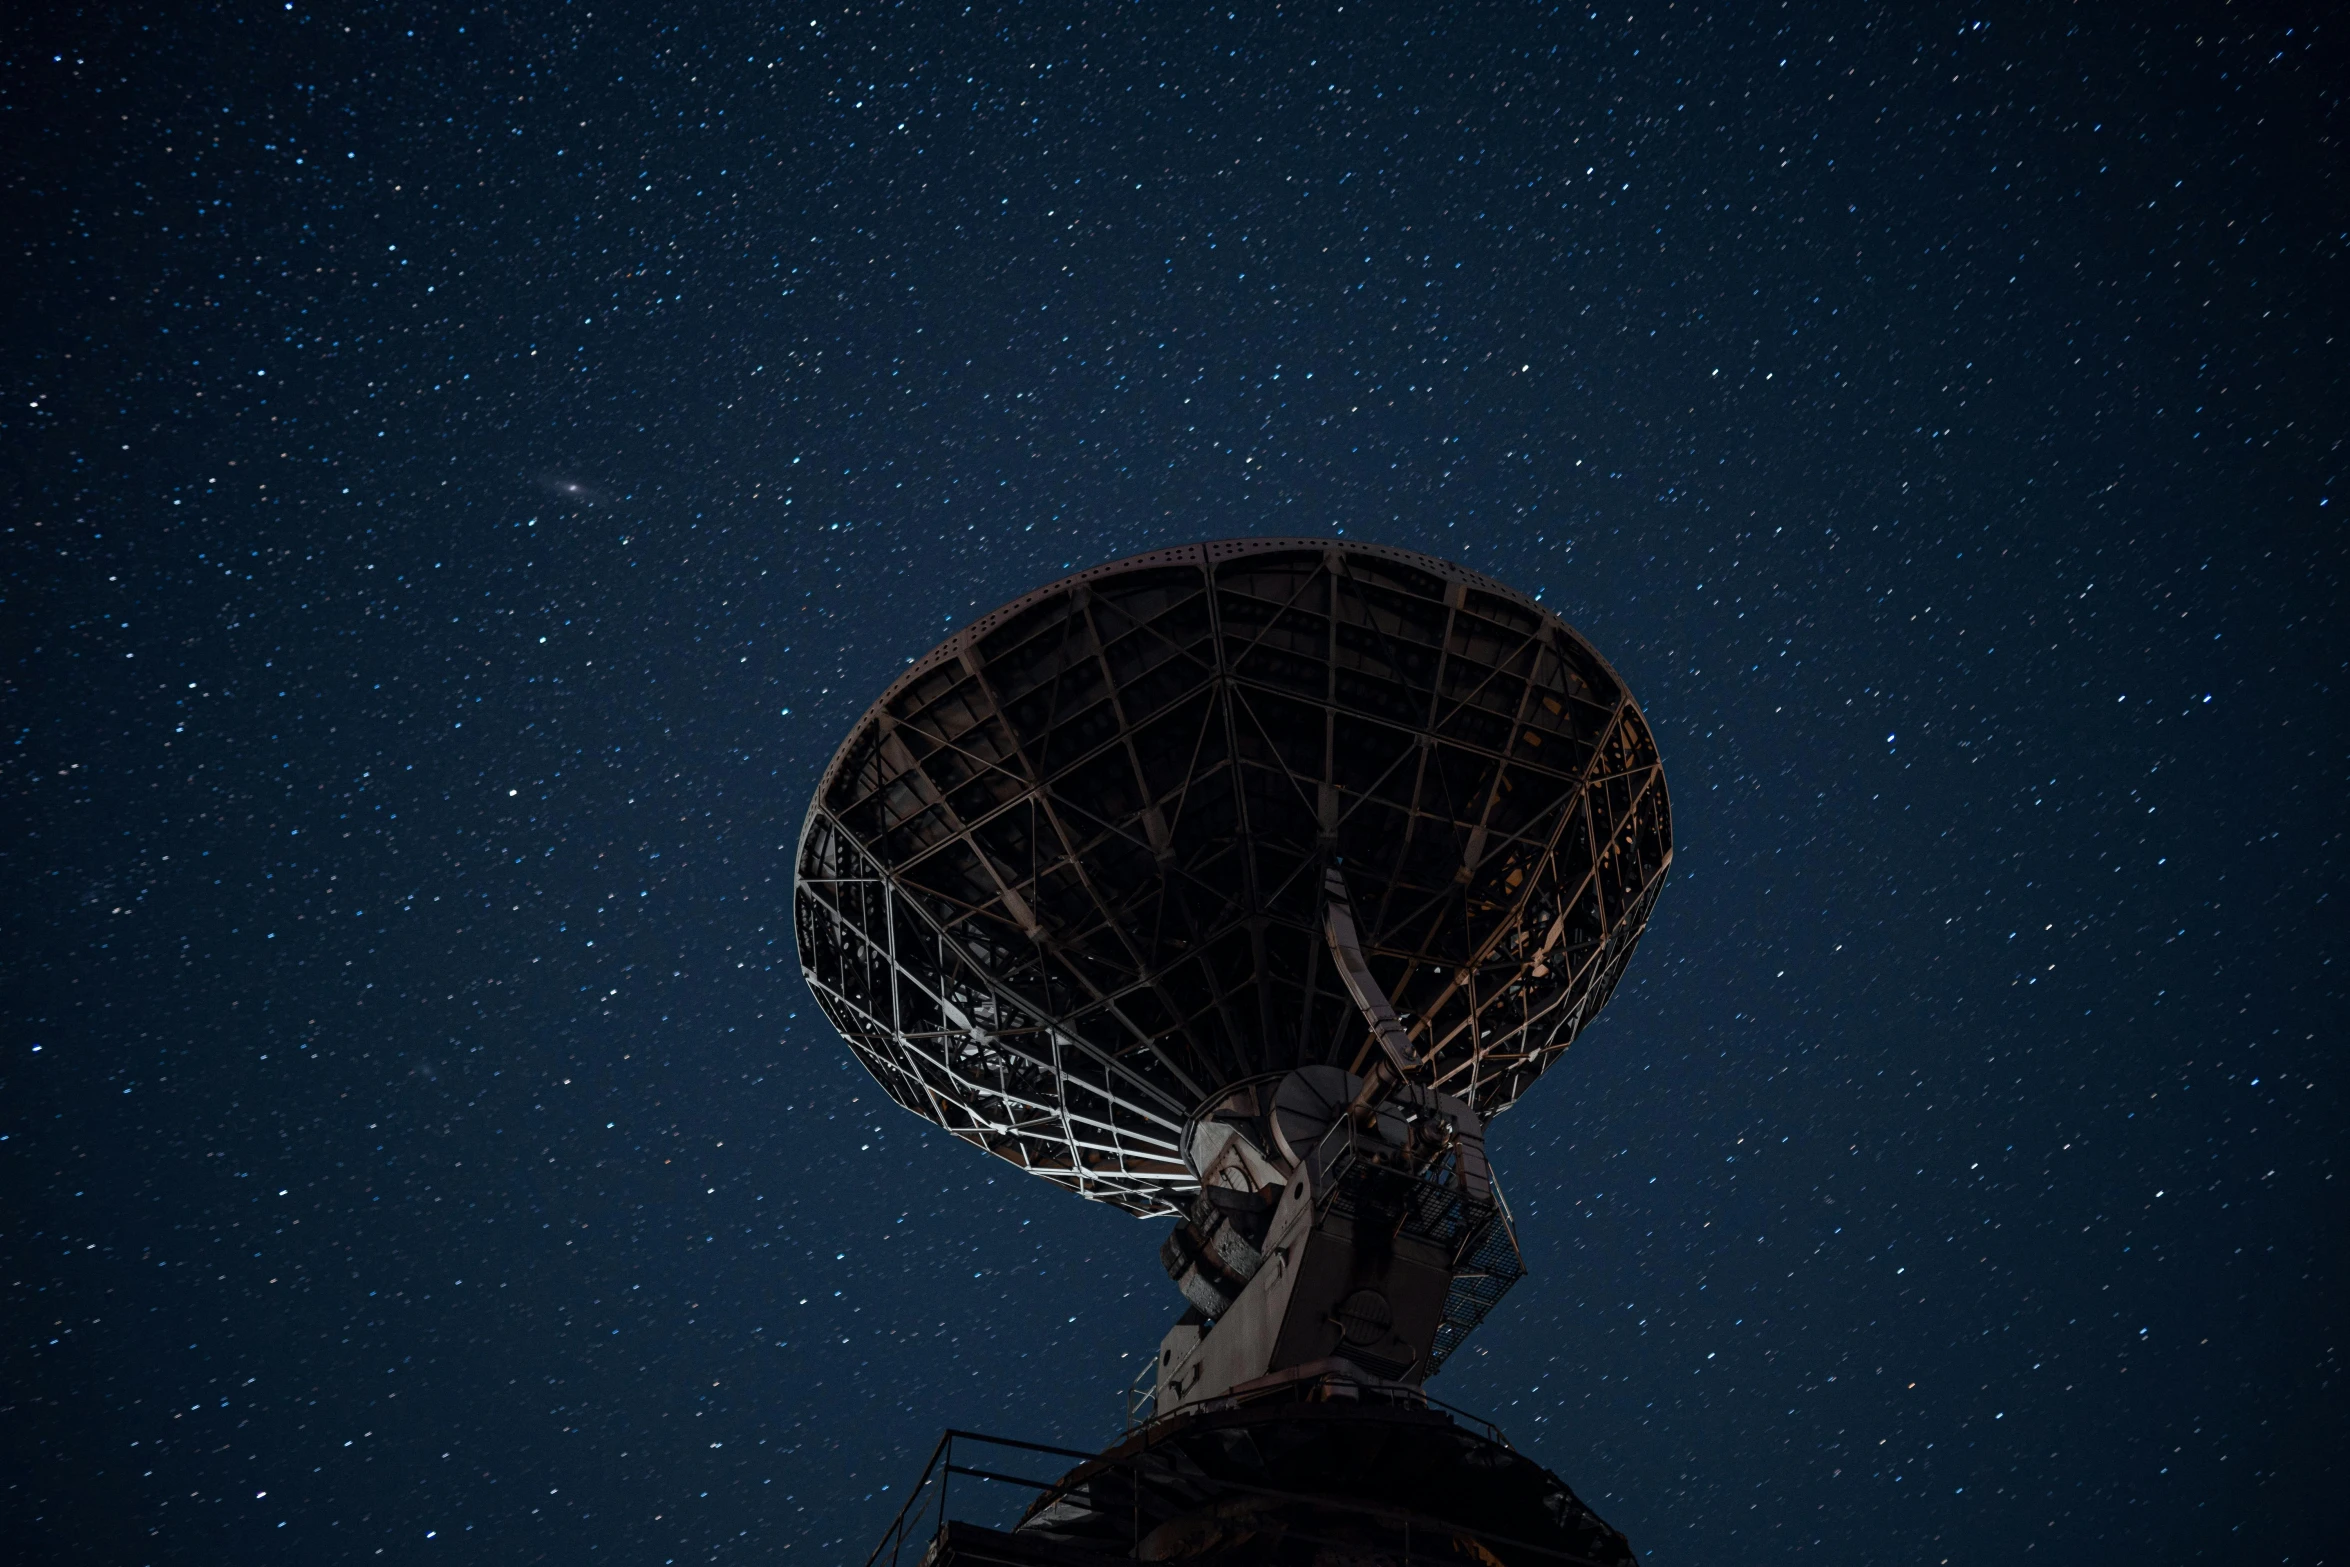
1065	881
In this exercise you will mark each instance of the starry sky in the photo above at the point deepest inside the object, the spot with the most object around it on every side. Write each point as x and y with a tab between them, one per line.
466	468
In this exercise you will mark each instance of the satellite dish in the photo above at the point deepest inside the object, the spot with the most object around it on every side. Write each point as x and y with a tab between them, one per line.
1067	885
1246	882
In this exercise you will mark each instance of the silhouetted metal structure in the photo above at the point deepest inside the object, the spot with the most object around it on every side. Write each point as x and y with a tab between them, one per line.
1244	883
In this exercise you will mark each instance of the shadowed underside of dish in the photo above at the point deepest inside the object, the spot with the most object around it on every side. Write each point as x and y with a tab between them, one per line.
1065	883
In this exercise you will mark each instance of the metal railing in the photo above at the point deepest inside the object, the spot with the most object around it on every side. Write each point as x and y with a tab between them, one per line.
1436	1206
926	1505
1140	1402
923	1517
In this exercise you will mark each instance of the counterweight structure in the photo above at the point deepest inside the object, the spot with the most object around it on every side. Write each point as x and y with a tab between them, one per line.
1244	883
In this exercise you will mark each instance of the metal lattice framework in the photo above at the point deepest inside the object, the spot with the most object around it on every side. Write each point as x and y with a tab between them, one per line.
1064	882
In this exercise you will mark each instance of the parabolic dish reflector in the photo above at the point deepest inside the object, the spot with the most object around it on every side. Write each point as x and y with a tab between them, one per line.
1063	886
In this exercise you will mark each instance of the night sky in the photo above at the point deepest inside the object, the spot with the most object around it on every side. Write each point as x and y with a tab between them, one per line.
467	468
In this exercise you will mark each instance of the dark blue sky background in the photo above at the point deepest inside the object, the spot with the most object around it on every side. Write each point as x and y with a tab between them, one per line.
466	468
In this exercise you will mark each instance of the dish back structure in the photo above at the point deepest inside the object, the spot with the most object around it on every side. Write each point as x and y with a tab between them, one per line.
1065	884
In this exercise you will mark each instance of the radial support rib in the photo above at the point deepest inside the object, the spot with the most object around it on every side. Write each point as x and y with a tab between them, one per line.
1338	923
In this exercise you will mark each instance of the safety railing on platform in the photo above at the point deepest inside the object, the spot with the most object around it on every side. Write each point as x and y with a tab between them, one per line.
924	1516
925	1507
1436	1205
1140	1401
